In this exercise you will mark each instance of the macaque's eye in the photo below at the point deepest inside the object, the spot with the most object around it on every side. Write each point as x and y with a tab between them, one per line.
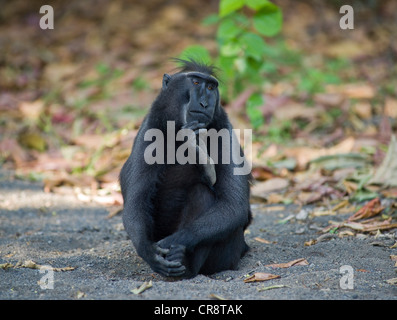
195	82
210	87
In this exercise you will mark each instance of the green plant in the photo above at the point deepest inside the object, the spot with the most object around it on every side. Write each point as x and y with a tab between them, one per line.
241	28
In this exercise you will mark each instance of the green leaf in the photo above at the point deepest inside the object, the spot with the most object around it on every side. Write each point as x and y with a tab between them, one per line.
102	68
363	195
227	66
228	6
256	4
211	19
228	30
253	112
268	20
196	52
230	49
253	45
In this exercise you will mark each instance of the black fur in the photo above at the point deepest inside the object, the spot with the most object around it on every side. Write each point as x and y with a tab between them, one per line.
179	223
193	65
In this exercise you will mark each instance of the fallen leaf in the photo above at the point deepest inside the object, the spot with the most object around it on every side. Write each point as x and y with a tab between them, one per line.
340	205
32	140
297	262
277	286
304	155
345	233
293	110
31	110
390	193
329	99
322	212
6	266
390	109
349	49
350	186
353	90
275	208
144	286
364	227
262	188
114	212
262	173
310	243
33	265
372	208
392	281
262	240
261	276
216	296
339	161
386	173
363	270
275	198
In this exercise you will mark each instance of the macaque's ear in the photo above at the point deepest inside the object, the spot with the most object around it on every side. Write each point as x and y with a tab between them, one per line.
166	79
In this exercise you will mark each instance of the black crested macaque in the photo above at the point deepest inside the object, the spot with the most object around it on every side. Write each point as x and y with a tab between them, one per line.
185	219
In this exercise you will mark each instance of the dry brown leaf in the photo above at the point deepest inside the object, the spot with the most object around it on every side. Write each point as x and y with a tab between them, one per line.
353	90
55	72
11	148
277	286
30	264
262	173
93	141
386	173
275	208
350	49
340	205
262	240
364	227
114	212
345	233
350	186
216	296
319	213
6	266
390	109
372	208
275	198
297	262
363	110
310	243
31	110
293	110
304	155
329	99
390	193
261	189
261	276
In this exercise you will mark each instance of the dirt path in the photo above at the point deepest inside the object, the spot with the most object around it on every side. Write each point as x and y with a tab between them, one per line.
60	231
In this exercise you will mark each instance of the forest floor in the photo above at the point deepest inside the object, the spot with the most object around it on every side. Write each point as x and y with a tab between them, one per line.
98	261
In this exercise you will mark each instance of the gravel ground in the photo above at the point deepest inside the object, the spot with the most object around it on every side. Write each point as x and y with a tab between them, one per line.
60	231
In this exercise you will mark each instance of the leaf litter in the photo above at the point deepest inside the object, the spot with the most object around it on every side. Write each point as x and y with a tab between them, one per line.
30	264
